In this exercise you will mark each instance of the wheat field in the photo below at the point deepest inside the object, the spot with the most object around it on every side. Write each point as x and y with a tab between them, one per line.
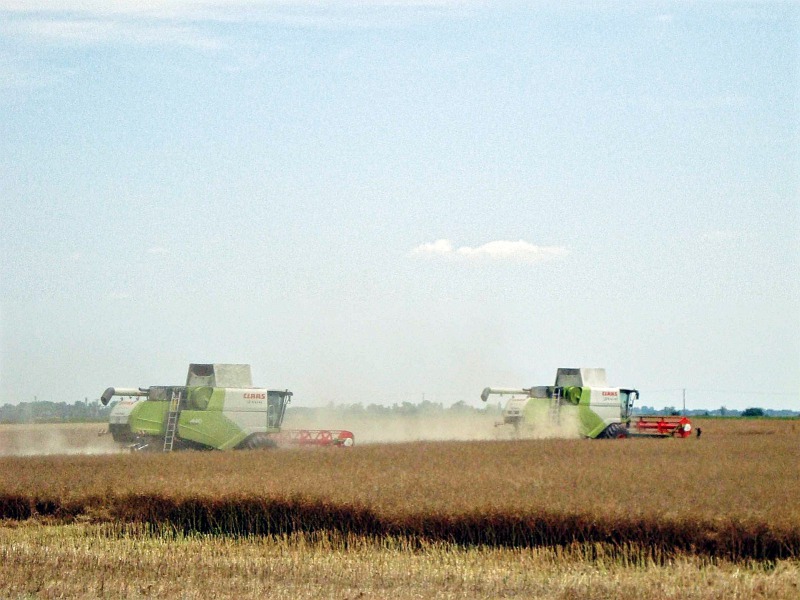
712	517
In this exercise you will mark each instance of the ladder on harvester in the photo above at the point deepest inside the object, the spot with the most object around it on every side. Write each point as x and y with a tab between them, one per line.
172	420
555	407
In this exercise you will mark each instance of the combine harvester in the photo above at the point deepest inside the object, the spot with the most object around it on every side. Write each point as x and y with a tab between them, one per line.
582	402
217	409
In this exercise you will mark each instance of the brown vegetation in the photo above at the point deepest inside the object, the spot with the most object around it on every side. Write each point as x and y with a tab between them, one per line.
724	495
111	561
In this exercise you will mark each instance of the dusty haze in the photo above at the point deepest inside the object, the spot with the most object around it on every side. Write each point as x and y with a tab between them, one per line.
93	438
56	438
447	425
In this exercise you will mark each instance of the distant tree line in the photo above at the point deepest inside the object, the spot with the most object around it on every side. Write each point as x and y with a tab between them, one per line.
92	411
43	411
719	412
399	409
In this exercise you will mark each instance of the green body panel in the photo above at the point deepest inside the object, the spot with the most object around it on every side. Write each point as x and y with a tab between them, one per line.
216	397
573	394
209	428
590	423
149	418
199	398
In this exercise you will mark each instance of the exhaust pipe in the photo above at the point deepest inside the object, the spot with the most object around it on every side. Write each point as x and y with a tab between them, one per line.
110	392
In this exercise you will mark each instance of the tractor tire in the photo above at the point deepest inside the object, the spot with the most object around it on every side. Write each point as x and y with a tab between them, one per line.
614	431
257	441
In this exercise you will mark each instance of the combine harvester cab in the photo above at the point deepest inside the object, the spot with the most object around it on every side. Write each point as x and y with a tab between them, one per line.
581	401
217	409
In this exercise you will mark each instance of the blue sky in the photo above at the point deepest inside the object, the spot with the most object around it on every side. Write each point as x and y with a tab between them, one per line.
372	201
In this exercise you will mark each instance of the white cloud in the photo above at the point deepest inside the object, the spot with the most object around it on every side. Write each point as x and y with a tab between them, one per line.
157	250
437	248
119	295
499	251
519	251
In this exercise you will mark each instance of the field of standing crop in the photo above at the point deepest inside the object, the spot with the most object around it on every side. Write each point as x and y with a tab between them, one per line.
624	506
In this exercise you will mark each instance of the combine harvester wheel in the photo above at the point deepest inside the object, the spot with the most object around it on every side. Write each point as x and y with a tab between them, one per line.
614	431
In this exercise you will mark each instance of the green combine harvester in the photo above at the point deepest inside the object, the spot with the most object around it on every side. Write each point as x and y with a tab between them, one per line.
217	409
582	403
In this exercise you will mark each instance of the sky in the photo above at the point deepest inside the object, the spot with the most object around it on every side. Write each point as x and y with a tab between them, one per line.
400	200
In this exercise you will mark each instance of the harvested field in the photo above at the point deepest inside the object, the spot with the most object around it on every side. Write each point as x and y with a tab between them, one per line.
108	561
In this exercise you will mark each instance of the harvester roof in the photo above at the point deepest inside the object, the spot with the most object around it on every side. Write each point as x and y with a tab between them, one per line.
592	377
219	375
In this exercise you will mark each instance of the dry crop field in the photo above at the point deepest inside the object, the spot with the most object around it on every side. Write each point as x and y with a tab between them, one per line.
712	517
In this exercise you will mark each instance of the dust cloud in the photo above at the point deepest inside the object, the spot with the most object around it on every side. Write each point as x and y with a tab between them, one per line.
376	429
474	425
368	428
46	439
566	426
